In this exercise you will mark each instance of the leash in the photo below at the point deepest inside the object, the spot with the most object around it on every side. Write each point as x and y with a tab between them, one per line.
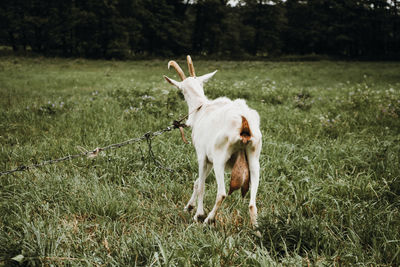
177	124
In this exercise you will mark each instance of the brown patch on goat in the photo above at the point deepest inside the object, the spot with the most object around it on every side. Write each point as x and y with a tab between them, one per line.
245	132
251	208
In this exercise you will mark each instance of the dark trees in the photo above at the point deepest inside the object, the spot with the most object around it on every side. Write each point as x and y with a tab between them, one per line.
126	28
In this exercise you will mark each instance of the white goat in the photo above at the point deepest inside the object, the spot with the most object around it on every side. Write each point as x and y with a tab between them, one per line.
226	135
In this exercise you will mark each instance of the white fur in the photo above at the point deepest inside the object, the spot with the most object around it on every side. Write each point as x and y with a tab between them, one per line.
216	136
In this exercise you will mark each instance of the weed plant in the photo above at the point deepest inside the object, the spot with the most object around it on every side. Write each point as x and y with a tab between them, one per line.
330	179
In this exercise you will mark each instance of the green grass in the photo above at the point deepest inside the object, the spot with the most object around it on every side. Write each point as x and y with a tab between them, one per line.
330	177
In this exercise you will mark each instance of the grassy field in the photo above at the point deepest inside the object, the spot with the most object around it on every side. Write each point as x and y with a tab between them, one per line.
330	167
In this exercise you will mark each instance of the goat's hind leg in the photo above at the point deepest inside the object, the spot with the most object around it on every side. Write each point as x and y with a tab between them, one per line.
253	157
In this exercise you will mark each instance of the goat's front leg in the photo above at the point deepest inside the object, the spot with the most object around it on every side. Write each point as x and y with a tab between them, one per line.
192	201
219	169
198	189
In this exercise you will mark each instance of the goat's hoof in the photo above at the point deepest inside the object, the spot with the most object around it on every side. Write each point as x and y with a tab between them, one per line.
209	221
257	234
199	217
188	208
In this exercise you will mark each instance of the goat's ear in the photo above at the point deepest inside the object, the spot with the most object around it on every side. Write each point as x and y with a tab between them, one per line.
173	82
204	78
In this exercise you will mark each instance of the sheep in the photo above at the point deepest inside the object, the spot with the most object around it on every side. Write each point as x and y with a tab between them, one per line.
226	136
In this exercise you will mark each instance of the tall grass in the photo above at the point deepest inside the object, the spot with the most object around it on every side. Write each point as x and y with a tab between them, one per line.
330	180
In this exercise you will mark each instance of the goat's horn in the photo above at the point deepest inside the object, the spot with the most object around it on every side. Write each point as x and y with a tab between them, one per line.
190	66
177	68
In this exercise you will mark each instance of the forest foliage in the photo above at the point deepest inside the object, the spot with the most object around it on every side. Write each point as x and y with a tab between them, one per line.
260	28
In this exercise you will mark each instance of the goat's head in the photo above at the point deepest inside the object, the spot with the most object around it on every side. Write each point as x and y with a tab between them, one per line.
191	85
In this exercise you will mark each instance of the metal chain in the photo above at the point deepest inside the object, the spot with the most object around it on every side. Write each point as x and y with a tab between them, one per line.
177	124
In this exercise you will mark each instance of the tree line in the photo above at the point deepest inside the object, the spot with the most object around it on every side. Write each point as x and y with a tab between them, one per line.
130	28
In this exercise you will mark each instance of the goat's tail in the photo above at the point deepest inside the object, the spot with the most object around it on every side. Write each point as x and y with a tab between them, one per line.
240	176
245	132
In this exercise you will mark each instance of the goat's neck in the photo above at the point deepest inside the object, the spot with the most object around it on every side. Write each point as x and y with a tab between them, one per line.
194	102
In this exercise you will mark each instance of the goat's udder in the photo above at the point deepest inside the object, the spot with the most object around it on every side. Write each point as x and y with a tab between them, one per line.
240	176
